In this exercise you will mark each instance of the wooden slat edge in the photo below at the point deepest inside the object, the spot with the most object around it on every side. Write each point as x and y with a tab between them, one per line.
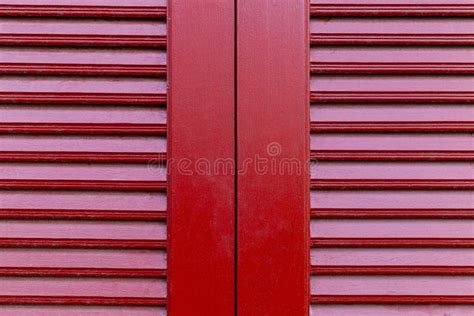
82	11
139	99
392	184
393	9
392	39
392	155
387	213
82	69
81	272
92	185
63	243
81	300
105	215
82	157
392	270
392	127
83	129
398	68
83	40
410	97
392	242
393	299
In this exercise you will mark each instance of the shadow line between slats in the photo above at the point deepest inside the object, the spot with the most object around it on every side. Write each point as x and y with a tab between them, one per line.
392	299
82	11
391	10
81	300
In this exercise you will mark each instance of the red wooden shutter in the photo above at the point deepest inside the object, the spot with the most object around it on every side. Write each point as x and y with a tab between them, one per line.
82	151
392	147
201	181
272	152
375	97
86	122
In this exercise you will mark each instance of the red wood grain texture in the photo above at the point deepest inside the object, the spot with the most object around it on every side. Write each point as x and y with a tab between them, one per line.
89	185
411	39
82	98
81	157
393	299
392	155
82	11
83	129
273	209
63	243
83	40
392	270
81	300
394	68
201	131
106	215
82	69
81	272
393	242
392	184
392	97
391	213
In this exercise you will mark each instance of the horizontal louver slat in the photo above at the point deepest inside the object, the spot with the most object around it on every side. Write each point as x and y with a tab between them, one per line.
82	11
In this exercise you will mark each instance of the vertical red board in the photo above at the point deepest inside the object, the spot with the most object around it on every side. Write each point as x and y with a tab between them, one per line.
201	133
272	128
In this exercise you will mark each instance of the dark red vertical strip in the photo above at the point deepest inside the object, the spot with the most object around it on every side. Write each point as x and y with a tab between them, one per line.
272	133
201	138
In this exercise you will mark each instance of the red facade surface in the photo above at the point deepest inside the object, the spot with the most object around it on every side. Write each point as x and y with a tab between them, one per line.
83	113
236	157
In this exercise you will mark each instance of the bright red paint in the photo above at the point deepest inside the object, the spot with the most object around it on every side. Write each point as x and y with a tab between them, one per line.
272	110
201	128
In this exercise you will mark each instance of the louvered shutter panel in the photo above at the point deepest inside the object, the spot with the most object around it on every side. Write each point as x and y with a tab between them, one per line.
375	95
391	144
92	118
82	151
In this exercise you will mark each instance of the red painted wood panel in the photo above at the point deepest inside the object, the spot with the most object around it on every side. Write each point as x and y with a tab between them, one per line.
272	126
391	91
201	131
64	112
